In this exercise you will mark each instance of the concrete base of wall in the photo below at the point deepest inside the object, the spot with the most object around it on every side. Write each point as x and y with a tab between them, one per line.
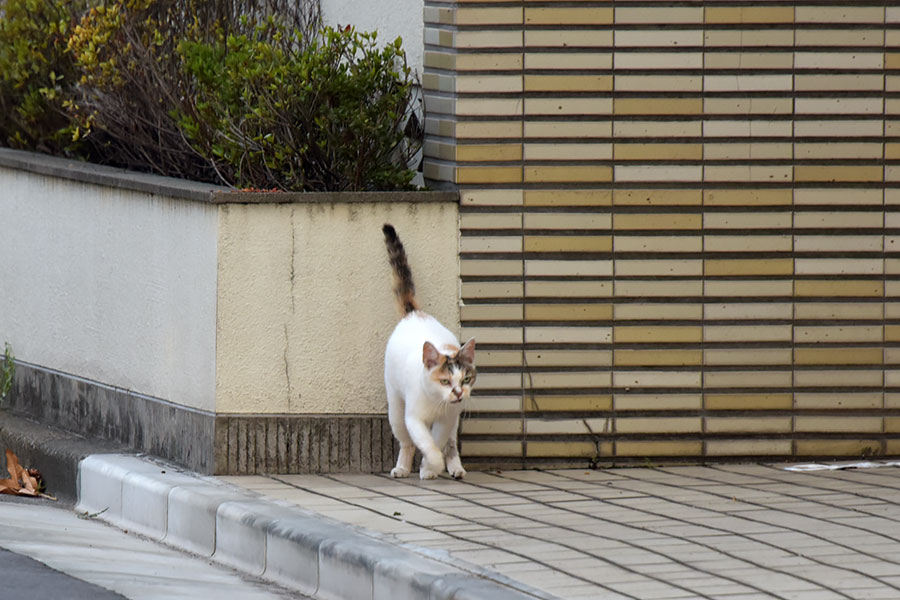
228	444
99	411
303	444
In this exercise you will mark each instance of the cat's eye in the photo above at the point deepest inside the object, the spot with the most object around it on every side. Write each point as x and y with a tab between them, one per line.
445	382
467	379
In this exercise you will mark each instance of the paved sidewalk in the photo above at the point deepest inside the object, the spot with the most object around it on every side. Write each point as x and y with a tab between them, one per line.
729	532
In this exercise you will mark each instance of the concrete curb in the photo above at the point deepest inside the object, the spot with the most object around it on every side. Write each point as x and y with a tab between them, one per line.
276	540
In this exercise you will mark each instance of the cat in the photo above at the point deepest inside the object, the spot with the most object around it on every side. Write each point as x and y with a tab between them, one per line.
427	376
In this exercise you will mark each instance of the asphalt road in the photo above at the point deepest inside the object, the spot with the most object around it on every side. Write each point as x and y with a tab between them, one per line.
49	551
26	578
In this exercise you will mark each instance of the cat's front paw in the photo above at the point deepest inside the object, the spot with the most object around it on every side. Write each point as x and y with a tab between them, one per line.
399	472
431	467
454	467
456	472
425	473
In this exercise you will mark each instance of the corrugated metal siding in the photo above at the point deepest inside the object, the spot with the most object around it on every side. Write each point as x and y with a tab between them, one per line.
680	231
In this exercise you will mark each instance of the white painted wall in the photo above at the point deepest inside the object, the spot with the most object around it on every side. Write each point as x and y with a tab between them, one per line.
390	18
111	285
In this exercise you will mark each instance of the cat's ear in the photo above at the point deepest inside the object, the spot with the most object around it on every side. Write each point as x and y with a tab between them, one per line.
430	356
467	352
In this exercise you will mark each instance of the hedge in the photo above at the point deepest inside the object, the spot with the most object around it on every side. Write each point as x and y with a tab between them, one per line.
248	93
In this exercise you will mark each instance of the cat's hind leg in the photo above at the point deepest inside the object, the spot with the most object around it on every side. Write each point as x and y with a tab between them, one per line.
444	433
451	451
398	426
404	461
454	464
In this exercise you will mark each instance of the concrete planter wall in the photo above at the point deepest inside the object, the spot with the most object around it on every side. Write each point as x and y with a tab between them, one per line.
232	332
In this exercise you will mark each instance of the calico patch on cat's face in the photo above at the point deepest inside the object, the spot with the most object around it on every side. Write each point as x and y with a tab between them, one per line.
452	371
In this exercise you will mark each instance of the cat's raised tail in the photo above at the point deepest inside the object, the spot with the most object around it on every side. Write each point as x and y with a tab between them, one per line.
403	282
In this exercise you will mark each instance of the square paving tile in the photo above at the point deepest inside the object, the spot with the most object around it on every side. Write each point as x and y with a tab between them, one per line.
583	534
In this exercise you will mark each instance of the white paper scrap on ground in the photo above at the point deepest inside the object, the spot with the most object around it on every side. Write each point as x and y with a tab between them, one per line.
838	466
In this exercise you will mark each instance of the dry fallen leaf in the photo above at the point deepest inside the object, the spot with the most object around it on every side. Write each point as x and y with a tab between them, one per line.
8	486
11	463
22	482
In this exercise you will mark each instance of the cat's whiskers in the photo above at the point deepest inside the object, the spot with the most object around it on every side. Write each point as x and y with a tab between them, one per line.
467	409
445	407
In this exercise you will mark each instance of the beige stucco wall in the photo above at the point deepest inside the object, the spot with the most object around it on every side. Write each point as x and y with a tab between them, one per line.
305	305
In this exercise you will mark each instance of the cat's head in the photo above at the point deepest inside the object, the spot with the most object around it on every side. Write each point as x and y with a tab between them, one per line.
450	373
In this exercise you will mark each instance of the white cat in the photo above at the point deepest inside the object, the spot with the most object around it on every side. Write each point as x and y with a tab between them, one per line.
427	376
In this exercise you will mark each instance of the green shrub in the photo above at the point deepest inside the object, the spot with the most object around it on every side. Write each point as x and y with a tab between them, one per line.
250	93
273	110
37	75
7	371
130	79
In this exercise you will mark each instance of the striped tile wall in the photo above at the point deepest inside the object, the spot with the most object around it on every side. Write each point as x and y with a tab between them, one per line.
680	225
